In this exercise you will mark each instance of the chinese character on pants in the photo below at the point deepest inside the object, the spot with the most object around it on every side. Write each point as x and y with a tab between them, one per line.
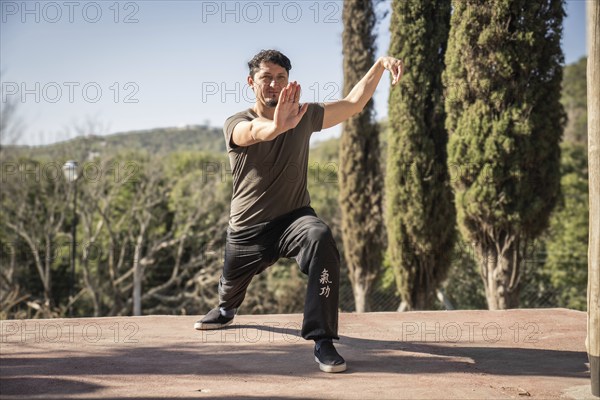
324	291
324	280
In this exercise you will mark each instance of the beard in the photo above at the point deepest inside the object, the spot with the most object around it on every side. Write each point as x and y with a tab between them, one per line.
271	103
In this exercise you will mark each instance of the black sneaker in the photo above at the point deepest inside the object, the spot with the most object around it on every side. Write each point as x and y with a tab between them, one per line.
328	358
213	320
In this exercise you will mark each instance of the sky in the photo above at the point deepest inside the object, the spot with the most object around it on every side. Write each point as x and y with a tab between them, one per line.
101	67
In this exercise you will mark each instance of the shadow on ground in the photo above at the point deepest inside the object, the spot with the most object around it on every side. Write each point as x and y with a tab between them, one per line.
27	375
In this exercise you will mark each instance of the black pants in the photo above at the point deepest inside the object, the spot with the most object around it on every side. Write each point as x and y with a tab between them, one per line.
303	236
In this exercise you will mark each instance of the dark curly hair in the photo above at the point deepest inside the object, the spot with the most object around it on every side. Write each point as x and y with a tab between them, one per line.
273	56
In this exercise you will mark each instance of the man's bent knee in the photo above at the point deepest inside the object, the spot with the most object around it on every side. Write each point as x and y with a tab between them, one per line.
319	233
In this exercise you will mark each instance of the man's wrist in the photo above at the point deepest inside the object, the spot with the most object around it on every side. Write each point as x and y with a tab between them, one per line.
274	131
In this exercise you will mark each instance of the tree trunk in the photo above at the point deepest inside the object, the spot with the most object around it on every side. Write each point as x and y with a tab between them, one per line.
500	269
361	290
441	296
422	299
92	288
48	274
593	97
137	280
422	290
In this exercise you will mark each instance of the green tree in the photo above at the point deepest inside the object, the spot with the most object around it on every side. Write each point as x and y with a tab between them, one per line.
463	287
574	99
567	237
568	233
420	216
34	217
503	76
360	173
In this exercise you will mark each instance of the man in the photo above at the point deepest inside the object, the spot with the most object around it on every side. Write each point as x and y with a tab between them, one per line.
270	214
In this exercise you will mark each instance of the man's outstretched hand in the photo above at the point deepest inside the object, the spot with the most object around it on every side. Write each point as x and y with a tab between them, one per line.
288	112
395	66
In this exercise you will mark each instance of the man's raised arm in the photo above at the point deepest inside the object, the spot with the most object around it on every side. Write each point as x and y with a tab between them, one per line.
287	115
357	99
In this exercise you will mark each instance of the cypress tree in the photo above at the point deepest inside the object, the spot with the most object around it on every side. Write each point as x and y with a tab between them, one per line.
505	122
360	171
420	215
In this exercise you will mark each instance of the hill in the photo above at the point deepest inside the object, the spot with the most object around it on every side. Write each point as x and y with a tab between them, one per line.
152	141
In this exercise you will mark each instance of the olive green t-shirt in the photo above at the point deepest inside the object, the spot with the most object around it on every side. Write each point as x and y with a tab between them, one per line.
269	178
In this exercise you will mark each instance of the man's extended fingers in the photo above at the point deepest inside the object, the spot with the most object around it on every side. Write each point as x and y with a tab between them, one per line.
283	95
290	93
298	91
293	90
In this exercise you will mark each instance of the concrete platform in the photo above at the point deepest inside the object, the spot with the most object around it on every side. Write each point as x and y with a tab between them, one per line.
414	355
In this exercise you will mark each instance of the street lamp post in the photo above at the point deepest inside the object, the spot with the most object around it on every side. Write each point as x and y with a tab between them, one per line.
70	171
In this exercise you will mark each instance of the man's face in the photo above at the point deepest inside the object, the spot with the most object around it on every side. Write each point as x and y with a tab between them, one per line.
268	82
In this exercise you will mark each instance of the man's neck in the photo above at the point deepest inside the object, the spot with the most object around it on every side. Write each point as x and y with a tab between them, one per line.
263	111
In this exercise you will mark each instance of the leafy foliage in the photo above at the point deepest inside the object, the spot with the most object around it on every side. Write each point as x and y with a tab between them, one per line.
574	99
567	243
361	183
503	76
420	215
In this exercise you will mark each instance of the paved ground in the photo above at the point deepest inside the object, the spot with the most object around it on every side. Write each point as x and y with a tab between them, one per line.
430	355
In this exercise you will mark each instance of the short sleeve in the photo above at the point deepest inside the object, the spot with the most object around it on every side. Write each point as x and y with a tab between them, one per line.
228	127
318	111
